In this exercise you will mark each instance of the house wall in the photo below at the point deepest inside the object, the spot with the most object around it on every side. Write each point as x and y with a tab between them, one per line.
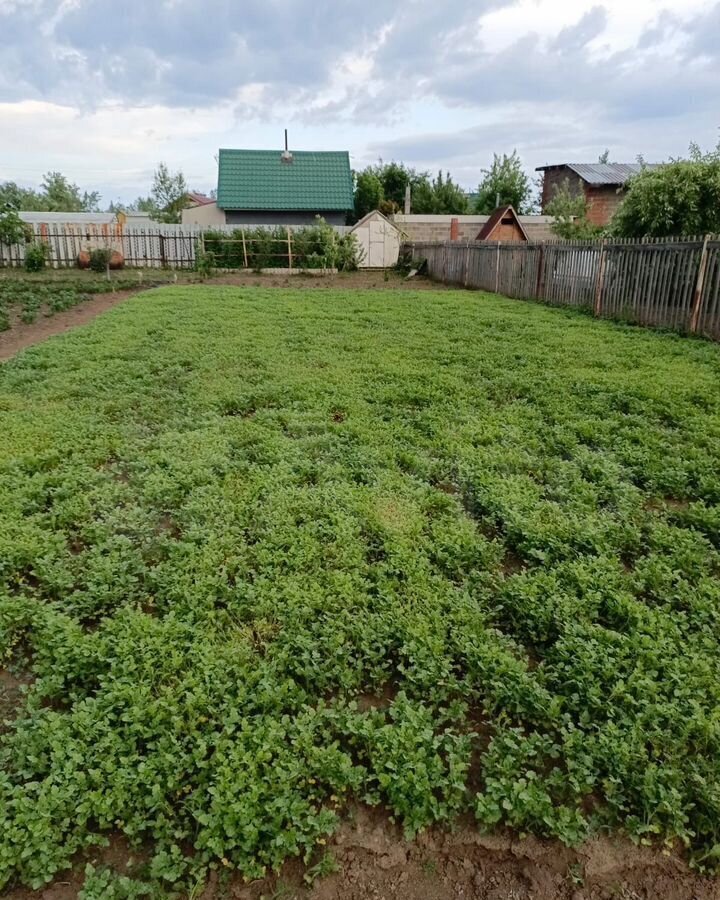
553	181
282	217
418	227
207	215
602	201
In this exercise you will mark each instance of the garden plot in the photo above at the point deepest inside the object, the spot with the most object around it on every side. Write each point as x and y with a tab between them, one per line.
268	556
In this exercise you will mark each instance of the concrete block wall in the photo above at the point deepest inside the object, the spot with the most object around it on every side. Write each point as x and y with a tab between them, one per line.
418	227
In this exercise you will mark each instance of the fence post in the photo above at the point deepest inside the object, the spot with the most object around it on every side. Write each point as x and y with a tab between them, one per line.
242	235
467	264
600	280
539	281
497	270
161	238
699	285
290	259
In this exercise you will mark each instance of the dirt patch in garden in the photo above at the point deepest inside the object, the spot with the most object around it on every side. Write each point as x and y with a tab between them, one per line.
21	335
373	862
363	279
368	859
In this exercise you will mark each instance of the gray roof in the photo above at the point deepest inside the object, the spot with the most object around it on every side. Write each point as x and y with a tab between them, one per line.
602	173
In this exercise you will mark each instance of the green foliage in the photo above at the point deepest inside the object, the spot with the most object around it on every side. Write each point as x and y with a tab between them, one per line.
100	259
168	196
369	192
12	228
265	554
569	211
505	181
36	255
383	187
681	197
56	194
205	262
316	246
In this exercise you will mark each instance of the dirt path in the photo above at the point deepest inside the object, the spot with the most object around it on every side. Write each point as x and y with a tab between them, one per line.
369	860
20	335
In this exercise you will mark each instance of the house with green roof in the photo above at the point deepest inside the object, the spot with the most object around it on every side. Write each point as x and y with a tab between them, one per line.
275	187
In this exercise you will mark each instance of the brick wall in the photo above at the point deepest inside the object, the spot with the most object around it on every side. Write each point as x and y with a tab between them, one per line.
554	179
602	203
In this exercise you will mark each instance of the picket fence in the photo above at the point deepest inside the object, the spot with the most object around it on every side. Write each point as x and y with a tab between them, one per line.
672	283
169	246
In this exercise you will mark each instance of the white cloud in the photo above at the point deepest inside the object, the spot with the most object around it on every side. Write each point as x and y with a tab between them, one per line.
436	85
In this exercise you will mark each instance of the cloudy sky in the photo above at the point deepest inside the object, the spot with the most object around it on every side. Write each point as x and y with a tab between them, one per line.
102	90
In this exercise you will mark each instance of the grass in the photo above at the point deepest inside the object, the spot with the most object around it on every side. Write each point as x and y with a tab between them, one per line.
55	290
232	517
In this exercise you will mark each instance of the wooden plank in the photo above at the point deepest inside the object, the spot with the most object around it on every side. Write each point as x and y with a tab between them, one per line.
699	284
600	284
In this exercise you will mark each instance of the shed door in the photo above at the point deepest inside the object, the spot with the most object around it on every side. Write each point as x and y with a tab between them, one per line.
376	255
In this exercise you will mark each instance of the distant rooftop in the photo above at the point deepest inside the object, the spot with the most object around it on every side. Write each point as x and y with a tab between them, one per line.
601	173
67	218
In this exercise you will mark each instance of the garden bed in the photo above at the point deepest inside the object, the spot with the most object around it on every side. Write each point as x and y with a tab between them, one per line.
275	558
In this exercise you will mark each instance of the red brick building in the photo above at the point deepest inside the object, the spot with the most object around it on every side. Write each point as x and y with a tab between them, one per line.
600	183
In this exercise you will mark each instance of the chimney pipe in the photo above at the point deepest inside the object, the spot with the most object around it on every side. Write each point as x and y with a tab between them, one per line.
286	146
454	229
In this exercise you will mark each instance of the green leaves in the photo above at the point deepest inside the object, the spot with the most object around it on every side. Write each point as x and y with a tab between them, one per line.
265	555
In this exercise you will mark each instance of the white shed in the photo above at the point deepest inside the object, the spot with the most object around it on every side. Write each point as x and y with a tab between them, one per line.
379	239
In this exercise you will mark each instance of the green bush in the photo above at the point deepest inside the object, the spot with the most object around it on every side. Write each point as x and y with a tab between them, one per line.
100	259
36	255
12	228
316	246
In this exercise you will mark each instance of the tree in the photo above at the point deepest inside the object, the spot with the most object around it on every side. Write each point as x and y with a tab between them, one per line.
56	194
168	195
680	197
383	187
505	182
59	195
604	156
369	192
14	197
448	197
570	215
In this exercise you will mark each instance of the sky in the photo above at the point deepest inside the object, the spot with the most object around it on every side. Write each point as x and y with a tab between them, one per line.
103	90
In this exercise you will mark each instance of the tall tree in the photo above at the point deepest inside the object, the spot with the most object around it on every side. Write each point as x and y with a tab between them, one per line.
60	195
505	182
56	194
681	197
168	195
369	192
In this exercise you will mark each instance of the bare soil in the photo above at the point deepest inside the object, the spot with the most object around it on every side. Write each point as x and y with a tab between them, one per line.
372	861
21	335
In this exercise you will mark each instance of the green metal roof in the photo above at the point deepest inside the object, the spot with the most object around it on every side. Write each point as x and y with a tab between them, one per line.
259	179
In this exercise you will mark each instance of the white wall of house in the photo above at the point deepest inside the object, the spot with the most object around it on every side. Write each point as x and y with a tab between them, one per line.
208	215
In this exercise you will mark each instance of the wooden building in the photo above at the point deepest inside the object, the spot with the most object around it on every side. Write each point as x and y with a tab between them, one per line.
503	225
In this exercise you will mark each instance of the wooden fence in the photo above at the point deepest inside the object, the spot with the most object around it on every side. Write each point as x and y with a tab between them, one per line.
169	246
667	284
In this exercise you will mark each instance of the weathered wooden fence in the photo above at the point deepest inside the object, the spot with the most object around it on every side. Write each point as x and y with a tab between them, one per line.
668	284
